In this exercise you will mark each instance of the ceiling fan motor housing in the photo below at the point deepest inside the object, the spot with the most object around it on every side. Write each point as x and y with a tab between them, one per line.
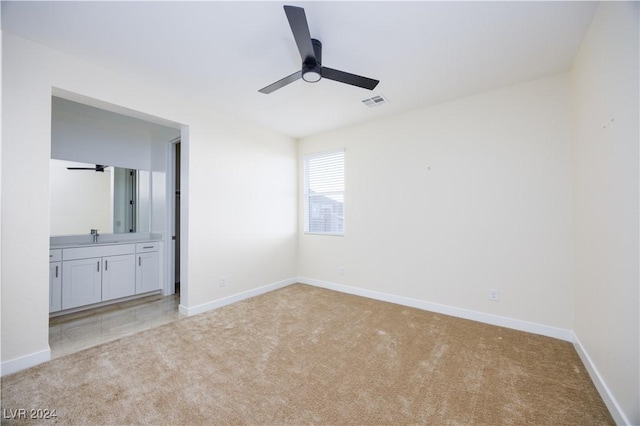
312	67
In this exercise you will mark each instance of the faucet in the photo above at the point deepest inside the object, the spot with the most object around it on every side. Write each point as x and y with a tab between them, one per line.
94	233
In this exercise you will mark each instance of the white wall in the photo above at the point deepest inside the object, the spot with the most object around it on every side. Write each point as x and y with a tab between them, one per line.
91	135
605	95
446	202
246	214
240	217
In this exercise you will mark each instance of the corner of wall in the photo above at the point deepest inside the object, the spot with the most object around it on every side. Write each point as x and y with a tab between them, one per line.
17	364
600	384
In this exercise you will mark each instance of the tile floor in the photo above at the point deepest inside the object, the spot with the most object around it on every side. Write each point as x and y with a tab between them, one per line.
74	332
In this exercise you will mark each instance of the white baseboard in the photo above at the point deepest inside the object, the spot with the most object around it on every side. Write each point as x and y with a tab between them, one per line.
24	362
603	389
530	327
218	303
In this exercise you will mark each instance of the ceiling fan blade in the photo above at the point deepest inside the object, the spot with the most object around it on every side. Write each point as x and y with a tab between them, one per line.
352	79
97	168
281	83
300	28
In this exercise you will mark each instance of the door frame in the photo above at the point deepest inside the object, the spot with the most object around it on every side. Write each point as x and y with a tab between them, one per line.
169	282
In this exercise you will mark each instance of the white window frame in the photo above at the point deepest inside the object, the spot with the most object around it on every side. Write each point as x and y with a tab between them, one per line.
306	192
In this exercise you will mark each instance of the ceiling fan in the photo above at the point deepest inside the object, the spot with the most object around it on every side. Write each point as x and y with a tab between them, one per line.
311	54
97	168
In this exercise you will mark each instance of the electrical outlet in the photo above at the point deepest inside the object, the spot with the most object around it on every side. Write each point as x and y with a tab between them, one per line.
340	270
494	295
223	281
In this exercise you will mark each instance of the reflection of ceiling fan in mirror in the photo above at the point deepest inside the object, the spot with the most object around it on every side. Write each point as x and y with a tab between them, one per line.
97	168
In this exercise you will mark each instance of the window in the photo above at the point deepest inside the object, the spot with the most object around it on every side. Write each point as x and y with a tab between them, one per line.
324	193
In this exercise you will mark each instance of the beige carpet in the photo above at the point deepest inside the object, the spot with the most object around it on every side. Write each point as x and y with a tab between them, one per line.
303	355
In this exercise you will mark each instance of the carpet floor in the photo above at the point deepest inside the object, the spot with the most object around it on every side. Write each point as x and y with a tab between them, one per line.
304	355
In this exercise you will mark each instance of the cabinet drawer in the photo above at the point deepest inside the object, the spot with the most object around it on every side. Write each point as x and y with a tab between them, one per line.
148	246
55	255
97	251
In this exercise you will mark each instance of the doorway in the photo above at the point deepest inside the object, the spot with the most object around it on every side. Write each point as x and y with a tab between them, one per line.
145	164
176	222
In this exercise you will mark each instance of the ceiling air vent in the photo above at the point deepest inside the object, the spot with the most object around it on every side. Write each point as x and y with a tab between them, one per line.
375	101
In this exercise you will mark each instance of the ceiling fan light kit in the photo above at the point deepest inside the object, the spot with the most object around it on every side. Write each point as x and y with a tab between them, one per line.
312	67
311	75
311	53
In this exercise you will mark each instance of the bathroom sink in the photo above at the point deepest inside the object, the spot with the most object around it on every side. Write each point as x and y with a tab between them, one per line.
86	243
102	242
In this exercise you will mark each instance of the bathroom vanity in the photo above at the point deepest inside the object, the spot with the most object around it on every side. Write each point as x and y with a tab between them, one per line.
108	192
86	274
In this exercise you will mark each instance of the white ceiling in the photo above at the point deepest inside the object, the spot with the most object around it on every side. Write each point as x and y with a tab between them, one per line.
223	52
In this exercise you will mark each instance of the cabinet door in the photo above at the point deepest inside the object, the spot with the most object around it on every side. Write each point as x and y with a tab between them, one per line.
55	286
118	276
81	282
147	272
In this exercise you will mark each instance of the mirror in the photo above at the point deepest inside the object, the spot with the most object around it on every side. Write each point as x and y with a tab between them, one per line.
89	196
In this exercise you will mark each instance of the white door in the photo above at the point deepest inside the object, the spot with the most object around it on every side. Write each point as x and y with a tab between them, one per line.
148	272
81	282
118	276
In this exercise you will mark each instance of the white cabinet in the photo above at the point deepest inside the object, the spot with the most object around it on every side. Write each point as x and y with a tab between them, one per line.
148	267
88	274
81	282
55	280
118	276
97	273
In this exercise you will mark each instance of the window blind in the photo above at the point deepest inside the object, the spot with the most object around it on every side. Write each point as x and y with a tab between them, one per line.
324	193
